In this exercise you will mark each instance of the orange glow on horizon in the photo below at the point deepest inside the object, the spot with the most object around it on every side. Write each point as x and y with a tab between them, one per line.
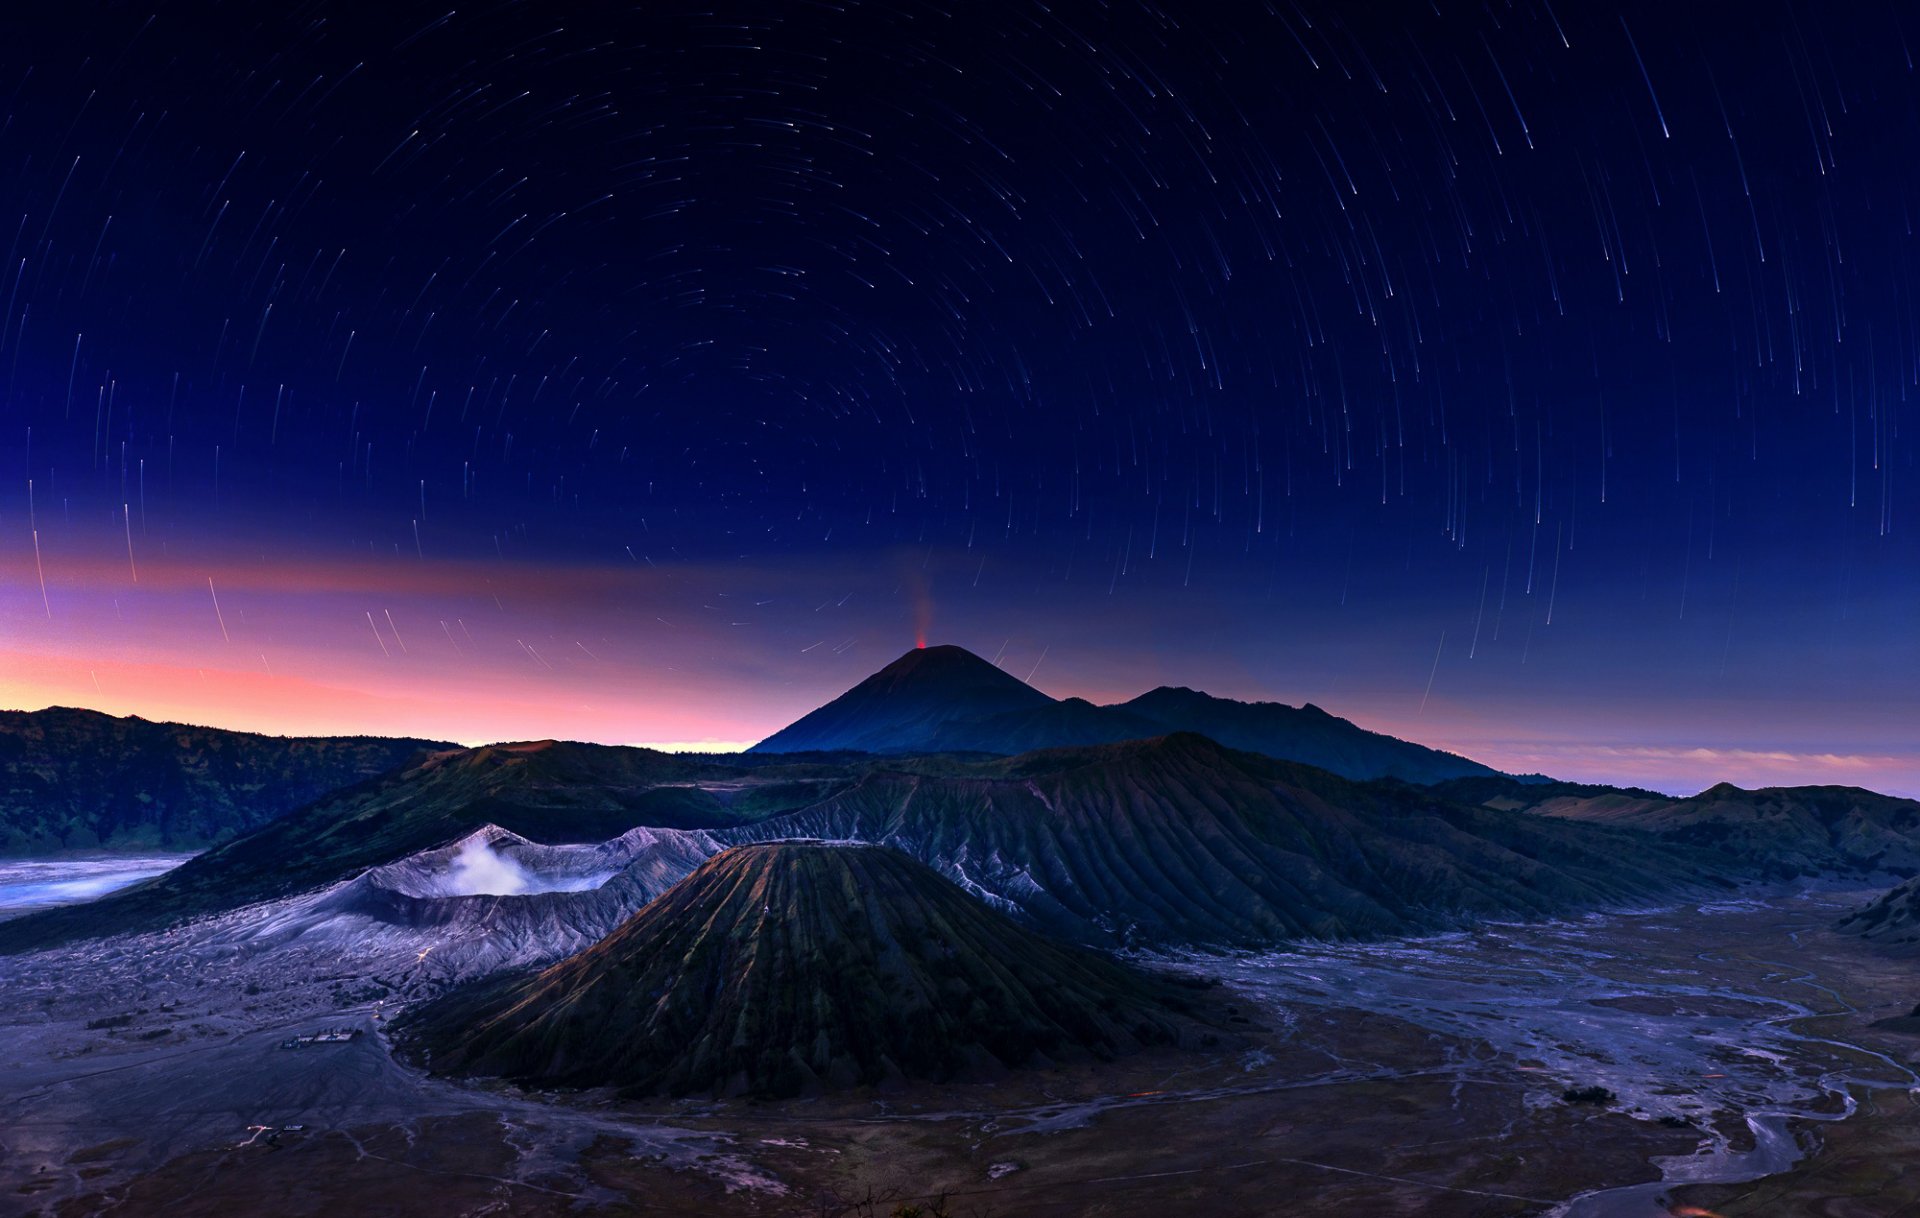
460	650
337	645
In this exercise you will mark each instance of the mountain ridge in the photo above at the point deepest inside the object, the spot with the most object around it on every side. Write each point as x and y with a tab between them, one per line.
942	699
77	779
546	791
1893	917
1177	840
1776	832
1172	840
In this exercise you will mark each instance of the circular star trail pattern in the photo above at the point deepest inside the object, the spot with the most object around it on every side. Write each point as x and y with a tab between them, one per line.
1471	322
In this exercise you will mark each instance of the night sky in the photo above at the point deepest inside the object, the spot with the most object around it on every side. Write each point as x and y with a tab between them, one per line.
1533	381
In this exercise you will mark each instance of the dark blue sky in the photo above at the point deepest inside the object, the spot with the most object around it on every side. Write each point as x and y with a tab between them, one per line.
1529	380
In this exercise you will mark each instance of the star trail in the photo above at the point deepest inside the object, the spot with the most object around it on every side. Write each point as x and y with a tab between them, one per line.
1529	380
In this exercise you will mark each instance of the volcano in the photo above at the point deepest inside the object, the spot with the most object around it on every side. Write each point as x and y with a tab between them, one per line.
948	700
792	967
911	705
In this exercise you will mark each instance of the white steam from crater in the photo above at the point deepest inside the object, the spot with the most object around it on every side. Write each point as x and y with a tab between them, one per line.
480	870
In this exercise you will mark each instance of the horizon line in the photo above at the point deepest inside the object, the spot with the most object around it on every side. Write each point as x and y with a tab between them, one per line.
721	747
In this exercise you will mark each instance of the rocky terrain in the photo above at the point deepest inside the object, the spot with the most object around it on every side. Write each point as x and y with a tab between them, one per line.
1419	979
147	1074
1166	841
80	780
794	967
546	792
1177	840
491	901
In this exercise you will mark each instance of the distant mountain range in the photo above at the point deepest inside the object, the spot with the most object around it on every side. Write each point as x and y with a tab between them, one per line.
1773	832
776	970
1161	839
74	780
80	780
946	699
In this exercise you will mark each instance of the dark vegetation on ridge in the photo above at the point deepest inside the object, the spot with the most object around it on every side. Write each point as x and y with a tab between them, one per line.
1891	917
791	967
80	780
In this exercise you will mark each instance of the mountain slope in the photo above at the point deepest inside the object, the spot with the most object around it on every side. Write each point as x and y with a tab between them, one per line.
946	699
1305	734
490	901
783	968
1776	832
80	780
908	704
1067	723
1178	840
1891	917
546	791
